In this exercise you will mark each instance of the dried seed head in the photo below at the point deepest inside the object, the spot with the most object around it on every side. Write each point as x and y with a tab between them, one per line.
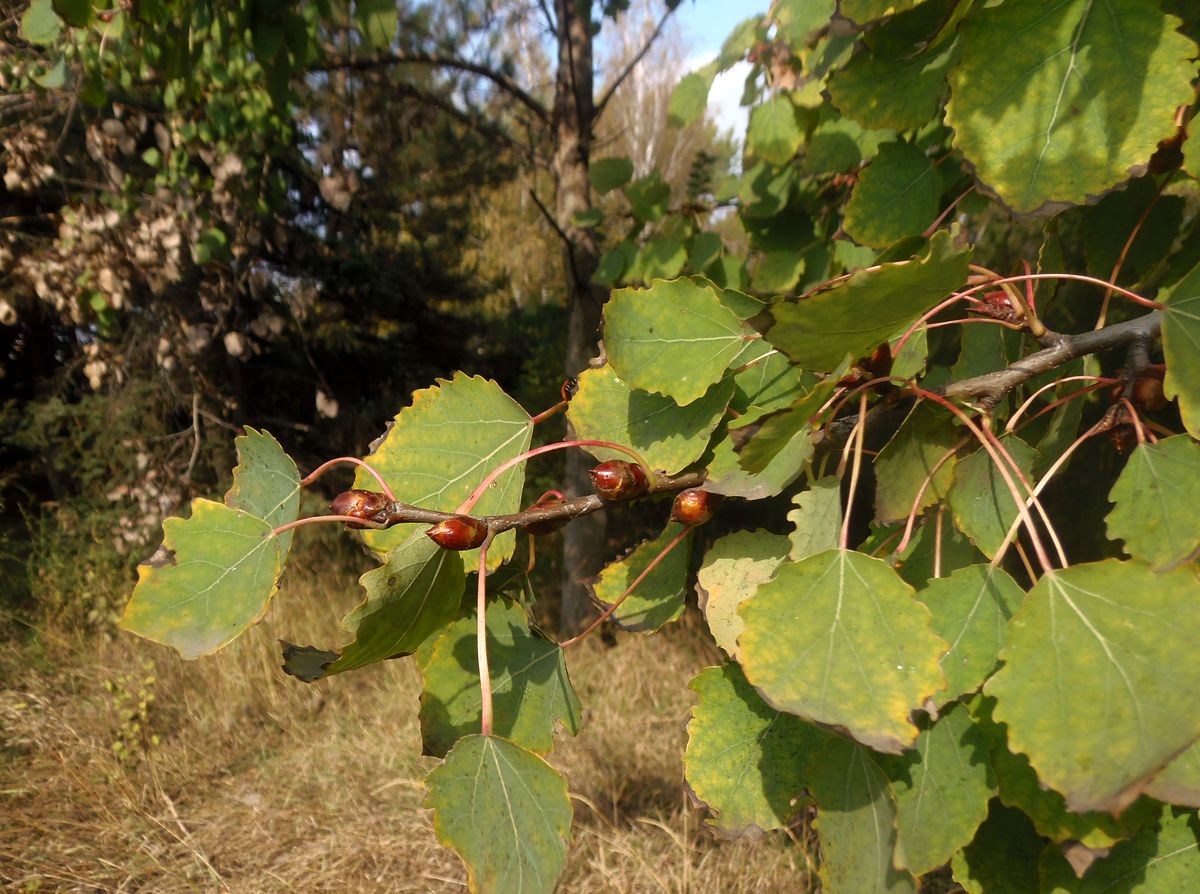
694	507
618	480
458	532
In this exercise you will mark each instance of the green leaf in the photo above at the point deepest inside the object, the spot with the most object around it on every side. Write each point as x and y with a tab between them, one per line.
674	338
971	609
908	459
530	687
703	249
659	598
1162	859
660	258
726	475
590	218
669	437
506	812
838	145
376	20
1003	857
1179	782
981	350
899	93
982	503
856	822
777	271
733	568
895	196
864	11
40	25
931	542
55	76
798	19
1157	502
74	12
744	760
442	446
1057	121
771	383
648	197
1083	636
212	578
1108	225
838	639
614	263
1020	788
1181	347
774	133
942	791
266	483
690	97
784	437
868	308
416	592
817	518
607	174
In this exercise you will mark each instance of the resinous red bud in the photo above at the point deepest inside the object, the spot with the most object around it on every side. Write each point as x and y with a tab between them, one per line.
618	480
549	525
368	505
458	532
694	507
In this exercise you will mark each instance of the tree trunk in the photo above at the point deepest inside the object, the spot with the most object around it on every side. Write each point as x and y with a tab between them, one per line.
574	111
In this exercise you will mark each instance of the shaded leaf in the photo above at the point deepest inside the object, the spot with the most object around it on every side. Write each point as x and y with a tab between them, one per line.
1057	121
1181	347
376	20
1157	502
817	518
675	338
505	811
266	483
744	760
906	461
218	582
864	11
942	791
866	310
530	687
982	503
690	97
669	437
1085	636
771	383
786	434
442	446
901	93
774	133
971	609
838	639
659	599
733	568
1003	857
607	174
856	822
896	196
1179	782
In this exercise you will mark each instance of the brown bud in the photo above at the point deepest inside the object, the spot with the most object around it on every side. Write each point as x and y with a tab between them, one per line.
694	507
458	532
548	525
1148	392
1123	437
618	480
365	504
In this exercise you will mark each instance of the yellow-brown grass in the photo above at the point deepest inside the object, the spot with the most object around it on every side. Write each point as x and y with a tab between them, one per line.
259	783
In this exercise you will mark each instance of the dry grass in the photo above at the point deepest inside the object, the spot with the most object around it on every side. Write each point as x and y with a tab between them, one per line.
258	783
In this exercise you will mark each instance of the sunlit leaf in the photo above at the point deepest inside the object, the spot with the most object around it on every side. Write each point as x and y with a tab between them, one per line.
40	24
901	93
733	568
1181	347
213	578
505	811
675	338
1117	637
744	760
866	310
1179	782
266	483
659	598
980	497
1056	121
690	97
909	459
774	133
442	446
838	639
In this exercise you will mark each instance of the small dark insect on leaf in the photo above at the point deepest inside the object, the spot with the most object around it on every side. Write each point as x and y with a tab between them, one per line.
570	387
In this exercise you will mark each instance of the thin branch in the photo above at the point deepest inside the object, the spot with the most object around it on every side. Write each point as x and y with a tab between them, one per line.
633	63
570	246
436	60
989	388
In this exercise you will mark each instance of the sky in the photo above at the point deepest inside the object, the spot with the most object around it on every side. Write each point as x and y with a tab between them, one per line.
706	24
